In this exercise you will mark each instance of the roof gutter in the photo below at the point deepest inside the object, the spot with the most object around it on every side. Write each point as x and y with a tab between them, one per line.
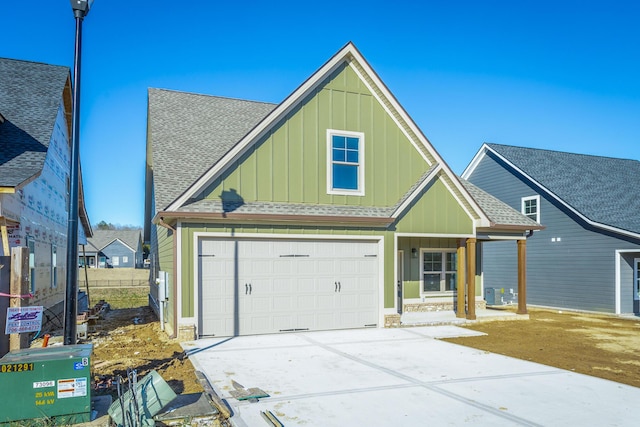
271	218
174	303
494	225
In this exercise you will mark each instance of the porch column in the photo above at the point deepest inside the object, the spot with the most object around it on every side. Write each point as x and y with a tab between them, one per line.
471	279
461	280
522	277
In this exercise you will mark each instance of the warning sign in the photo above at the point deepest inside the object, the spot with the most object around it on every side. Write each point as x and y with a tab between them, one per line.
74	387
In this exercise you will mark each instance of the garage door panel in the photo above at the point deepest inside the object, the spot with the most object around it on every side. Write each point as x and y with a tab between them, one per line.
284	286
283	323
305	285
327	319
283	303
280	266
294	285
305	267
325	302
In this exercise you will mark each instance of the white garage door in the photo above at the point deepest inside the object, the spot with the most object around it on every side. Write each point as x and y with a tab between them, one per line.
259	286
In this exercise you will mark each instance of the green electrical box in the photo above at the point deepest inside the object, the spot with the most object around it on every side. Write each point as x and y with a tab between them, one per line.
51	383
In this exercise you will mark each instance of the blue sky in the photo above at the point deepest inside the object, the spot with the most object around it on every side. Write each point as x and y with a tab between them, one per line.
560	75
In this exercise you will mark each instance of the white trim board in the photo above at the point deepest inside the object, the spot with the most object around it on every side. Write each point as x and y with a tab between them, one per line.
618	278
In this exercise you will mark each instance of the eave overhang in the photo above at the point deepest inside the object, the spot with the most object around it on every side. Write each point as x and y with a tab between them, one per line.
222	217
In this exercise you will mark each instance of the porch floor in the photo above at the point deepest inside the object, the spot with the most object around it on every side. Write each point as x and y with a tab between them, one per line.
448	317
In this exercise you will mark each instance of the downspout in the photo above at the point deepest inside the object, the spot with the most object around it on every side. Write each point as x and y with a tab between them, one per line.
175	276
86	275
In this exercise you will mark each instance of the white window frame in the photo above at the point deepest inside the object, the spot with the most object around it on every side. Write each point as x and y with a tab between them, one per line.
444	272
115	261
360	135
522	206
636	279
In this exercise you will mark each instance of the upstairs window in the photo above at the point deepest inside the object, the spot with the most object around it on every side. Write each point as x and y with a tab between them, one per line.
531	207
345	162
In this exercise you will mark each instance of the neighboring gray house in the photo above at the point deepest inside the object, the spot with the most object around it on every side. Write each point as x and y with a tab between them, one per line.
113	249
588	256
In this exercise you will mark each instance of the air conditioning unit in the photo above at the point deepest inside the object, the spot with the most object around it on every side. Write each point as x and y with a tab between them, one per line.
500	296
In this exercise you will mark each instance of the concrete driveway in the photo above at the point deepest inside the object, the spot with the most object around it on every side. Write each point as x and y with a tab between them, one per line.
402	377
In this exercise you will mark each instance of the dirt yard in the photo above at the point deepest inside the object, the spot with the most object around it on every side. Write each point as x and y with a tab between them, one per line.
130	338
601	346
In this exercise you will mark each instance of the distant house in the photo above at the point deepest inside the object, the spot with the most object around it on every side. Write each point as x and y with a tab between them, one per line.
35	129
113	249
330	210
588	256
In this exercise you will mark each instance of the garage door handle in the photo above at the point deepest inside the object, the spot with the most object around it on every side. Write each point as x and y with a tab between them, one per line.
250	288
336	289
339	287
246	289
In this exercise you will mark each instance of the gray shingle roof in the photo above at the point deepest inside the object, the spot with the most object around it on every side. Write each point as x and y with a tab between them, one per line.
30	95
605	190
497	211
271	208
189	133
102	238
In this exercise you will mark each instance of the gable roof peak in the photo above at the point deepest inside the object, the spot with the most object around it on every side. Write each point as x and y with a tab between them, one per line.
348	54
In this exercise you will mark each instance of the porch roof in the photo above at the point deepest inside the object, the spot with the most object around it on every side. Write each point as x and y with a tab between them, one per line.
501	215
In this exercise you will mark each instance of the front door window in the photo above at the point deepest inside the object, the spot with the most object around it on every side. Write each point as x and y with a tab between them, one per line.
439	271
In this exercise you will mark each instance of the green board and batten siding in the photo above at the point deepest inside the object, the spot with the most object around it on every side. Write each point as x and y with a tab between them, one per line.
289	164
436	211
166	263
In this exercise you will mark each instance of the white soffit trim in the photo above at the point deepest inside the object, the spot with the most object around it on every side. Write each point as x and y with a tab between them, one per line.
560	200
474	162
436	235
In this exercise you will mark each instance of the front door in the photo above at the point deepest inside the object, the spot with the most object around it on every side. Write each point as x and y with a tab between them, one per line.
400	283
